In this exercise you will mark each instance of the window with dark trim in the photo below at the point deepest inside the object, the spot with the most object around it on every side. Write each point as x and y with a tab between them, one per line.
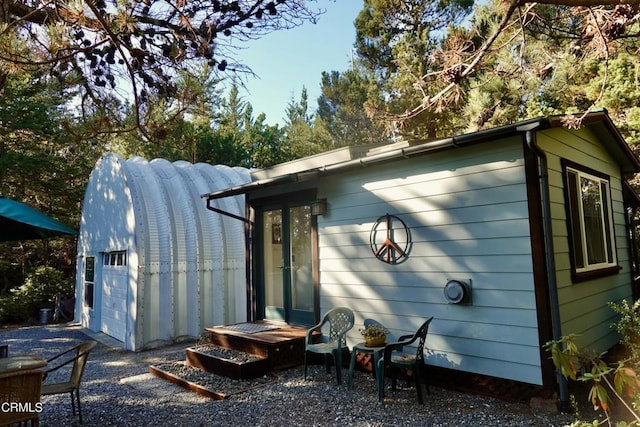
590	224
89	273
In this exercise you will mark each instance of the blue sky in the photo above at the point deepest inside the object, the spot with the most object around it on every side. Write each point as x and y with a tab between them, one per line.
287	60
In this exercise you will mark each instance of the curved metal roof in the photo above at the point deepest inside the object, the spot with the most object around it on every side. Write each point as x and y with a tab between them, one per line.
186	263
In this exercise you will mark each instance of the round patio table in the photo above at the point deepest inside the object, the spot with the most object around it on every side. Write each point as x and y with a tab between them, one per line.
21	363
20	382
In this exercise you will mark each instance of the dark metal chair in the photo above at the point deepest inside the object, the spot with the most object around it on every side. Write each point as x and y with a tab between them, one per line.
340	321
395	359
72	386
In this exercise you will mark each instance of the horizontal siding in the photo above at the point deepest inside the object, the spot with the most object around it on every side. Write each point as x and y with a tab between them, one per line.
583	305
498	299
505	351
505	218
426	280
467	212
478	263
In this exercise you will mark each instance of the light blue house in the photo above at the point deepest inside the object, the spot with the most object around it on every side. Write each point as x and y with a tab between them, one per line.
509	237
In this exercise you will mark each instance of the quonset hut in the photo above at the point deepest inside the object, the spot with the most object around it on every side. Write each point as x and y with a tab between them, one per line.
154	264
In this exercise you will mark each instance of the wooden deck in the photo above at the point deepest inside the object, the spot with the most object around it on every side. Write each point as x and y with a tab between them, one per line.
281	344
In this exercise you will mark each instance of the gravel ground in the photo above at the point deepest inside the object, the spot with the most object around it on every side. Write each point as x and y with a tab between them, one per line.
119	391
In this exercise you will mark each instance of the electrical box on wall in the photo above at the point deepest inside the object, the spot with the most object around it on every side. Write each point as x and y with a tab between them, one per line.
458	291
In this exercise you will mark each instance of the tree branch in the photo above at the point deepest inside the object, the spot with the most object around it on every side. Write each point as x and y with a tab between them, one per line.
428	102
585	3
146	42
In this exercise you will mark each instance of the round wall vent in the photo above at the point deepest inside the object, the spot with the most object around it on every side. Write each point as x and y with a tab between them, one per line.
456	291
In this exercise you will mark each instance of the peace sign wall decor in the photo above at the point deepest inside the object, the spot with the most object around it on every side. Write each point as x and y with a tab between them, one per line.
390	239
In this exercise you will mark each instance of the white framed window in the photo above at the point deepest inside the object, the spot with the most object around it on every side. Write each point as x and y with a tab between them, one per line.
89	281
590	224
116	258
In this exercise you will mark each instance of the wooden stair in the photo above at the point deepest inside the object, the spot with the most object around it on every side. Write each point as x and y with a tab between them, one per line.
281	345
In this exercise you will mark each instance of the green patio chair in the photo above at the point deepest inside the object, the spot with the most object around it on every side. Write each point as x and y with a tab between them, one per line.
340	321
395	359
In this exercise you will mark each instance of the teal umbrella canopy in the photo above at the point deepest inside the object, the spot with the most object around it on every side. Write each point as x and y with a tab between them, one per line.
22	222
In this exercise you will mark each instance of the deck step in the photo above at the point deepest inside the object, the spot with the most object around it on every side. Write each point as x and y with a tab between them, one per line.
237	366
281	345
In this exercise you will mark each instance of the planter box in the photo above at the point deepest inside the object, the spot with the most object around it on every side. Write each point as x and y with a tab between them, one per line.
236	369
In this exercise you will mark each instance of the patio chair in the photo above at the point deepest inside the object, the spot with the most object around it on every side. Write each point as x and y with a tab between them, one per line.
340	320
72	386
395	359
20	387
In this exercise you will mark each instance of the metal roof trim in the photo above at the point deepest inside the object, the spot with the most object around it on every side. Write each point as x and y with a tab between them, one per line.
421	148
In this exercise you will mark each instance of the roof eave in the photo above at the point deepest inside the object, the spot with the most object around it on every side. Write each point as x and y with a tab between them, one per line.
603	127
598	121
405	152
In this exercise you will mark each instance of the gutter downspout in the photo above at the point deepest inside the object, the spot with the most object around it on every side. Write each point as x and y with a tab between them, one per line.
565	405
229	214
249	225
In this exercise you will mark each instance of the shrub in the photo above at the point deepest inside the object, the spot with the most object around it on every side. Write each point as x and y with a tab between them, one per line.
629	327
38	291
618	382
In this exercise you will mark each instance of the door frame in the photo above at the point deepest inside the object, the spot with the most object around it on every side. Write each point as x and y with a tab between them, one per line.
259	205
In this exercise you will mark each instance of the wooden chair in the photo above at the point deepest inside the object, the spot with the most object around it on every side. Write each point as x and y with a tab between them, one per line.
340	321
395	359
21	388
78	355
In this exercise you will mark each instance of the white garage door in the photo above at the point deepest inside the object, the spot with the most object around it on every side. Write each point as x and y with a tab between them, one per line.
114	294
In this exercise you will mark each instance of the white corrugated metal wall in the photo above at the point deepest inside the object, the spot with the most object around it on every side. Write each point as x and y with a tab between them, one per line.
186	266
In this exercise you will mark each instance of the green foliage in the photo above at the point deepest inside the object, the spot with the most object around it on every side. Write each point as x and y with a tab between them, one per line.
543	68
114	48
373	331
628	326
207	127
384	25
610	385
256	144
342	108
38	291
397	43
304	136
45	163
299	111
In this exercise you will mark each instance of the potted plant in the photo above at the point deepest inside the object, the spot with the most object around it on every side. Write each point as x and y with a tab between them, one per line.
374	335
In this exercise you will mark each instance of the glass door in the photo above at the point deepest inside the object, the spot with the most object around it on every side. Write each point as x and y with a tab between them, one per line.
288	286
274	268
301	264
